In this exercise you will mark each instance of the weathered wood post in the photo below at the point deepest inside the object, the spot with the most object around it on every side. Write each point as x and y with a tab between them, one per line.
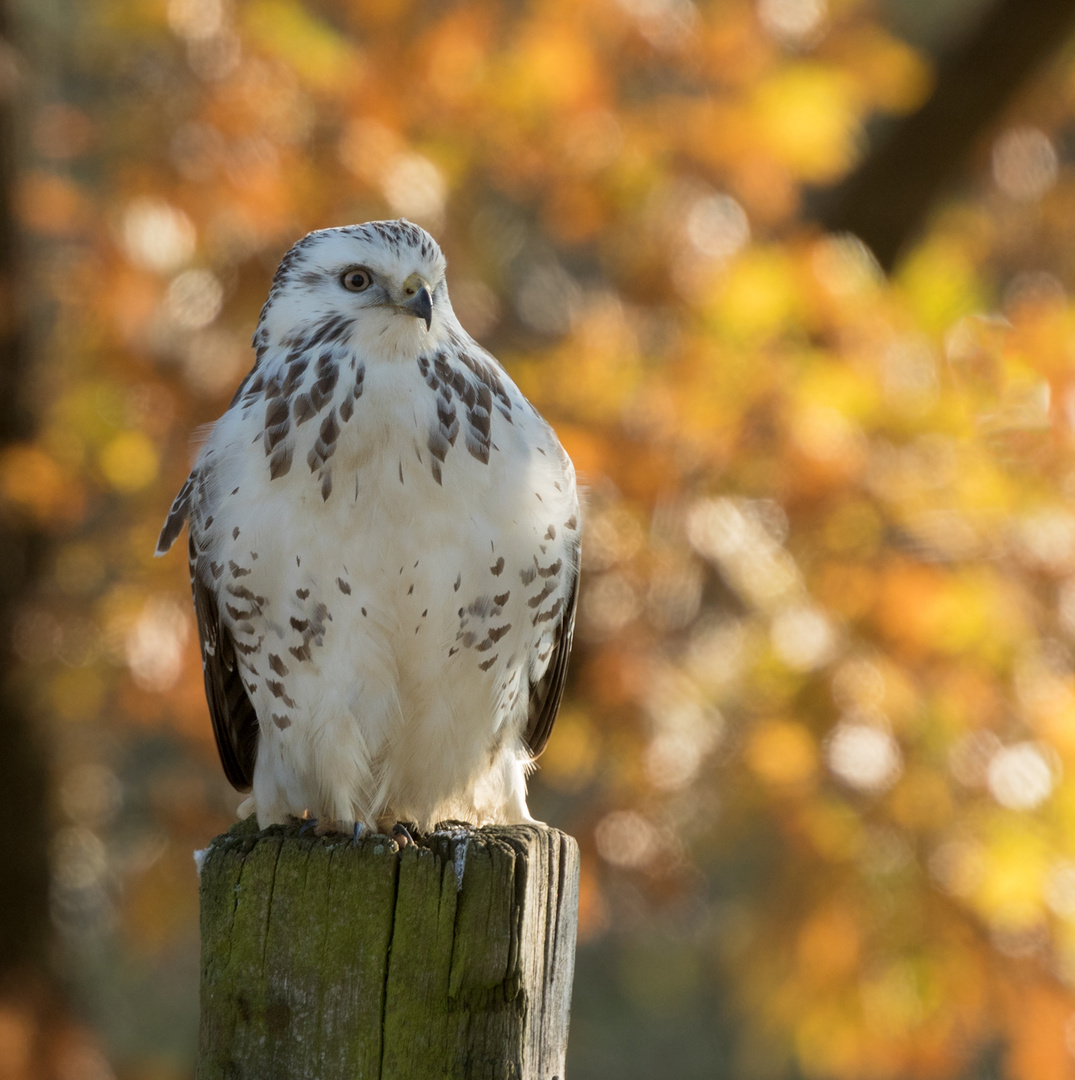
449	960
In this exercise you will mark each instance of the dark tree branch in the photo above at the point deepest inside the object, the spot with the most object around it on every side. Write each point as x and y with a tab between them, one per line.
886	200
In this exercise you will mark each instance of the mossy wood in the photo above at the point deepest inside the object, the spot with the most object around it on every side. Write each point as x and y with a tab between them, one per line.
450	960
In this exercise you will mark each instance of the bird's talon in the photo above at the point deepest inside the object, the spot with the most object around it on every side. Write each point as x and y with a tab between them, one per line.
401	835
307	825
356	834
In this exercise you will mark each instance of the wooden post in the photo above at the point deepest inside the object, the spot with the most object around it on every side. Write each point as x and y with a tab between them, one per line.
449	960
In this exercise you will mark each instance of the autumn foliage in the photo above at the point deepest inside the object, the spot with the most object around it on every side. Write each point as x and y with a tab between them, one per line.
819	741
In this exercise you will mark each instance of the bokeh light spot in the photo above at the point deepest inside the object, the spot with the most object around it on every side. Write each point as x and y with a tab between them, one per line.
803	637
415	188
1020	776
717	226
1024	163
194	299
626	839
156	235
793	22
863	756
154	644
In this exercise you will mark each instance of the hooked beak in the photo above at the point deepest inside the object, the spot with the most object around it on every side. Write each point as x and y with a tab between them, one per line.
419	300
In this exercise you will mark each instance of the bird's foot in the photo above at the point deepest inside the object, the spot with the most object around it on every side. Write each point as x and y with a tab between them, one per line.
356	830
327	827
453	825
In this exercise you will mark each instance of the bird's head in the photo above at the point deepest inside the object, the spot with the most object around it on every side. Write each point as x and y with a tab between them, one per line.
379	285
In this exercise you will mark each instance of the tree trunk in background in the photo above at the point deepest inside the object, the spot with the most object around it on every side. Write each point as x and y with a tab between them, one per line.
24	920
886	200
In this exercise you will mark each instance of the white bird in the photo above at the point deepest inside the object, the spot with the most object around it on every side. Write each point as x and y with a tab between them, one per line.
384	551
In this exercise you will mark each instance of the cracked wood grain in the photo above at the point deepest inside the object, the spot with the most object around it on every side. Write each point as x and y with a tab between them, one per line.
451	959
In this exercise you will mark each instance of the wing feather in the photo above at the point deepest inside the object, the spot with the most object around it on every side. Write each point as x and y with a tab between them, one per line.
545	694
235	724
177	516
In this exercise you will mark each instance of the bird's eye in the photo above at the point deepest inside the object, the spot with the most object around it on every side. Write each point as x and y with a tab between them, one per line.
356	279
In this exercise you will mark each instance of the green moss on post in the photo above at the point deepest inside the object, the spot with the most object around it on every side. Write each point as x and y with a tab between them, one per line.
450	960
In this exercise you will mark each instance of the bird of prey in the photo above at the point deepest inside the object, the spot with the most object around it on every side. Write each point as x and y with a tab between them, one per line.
384	551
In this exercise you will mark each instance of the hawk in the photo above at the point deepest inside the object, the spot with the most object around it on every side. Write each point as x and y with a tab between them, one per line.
384	542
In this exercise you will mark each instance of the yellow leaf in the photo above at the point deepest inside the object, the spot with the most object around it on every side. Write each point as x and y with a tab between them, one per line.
807	115
1017	856
129	462
783	753
551	69
829	944
759	294
310	47
941	282
32	481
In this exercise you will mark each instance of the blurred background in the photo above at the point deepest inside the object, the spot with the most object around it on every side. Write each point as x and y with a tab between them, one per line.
792	280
